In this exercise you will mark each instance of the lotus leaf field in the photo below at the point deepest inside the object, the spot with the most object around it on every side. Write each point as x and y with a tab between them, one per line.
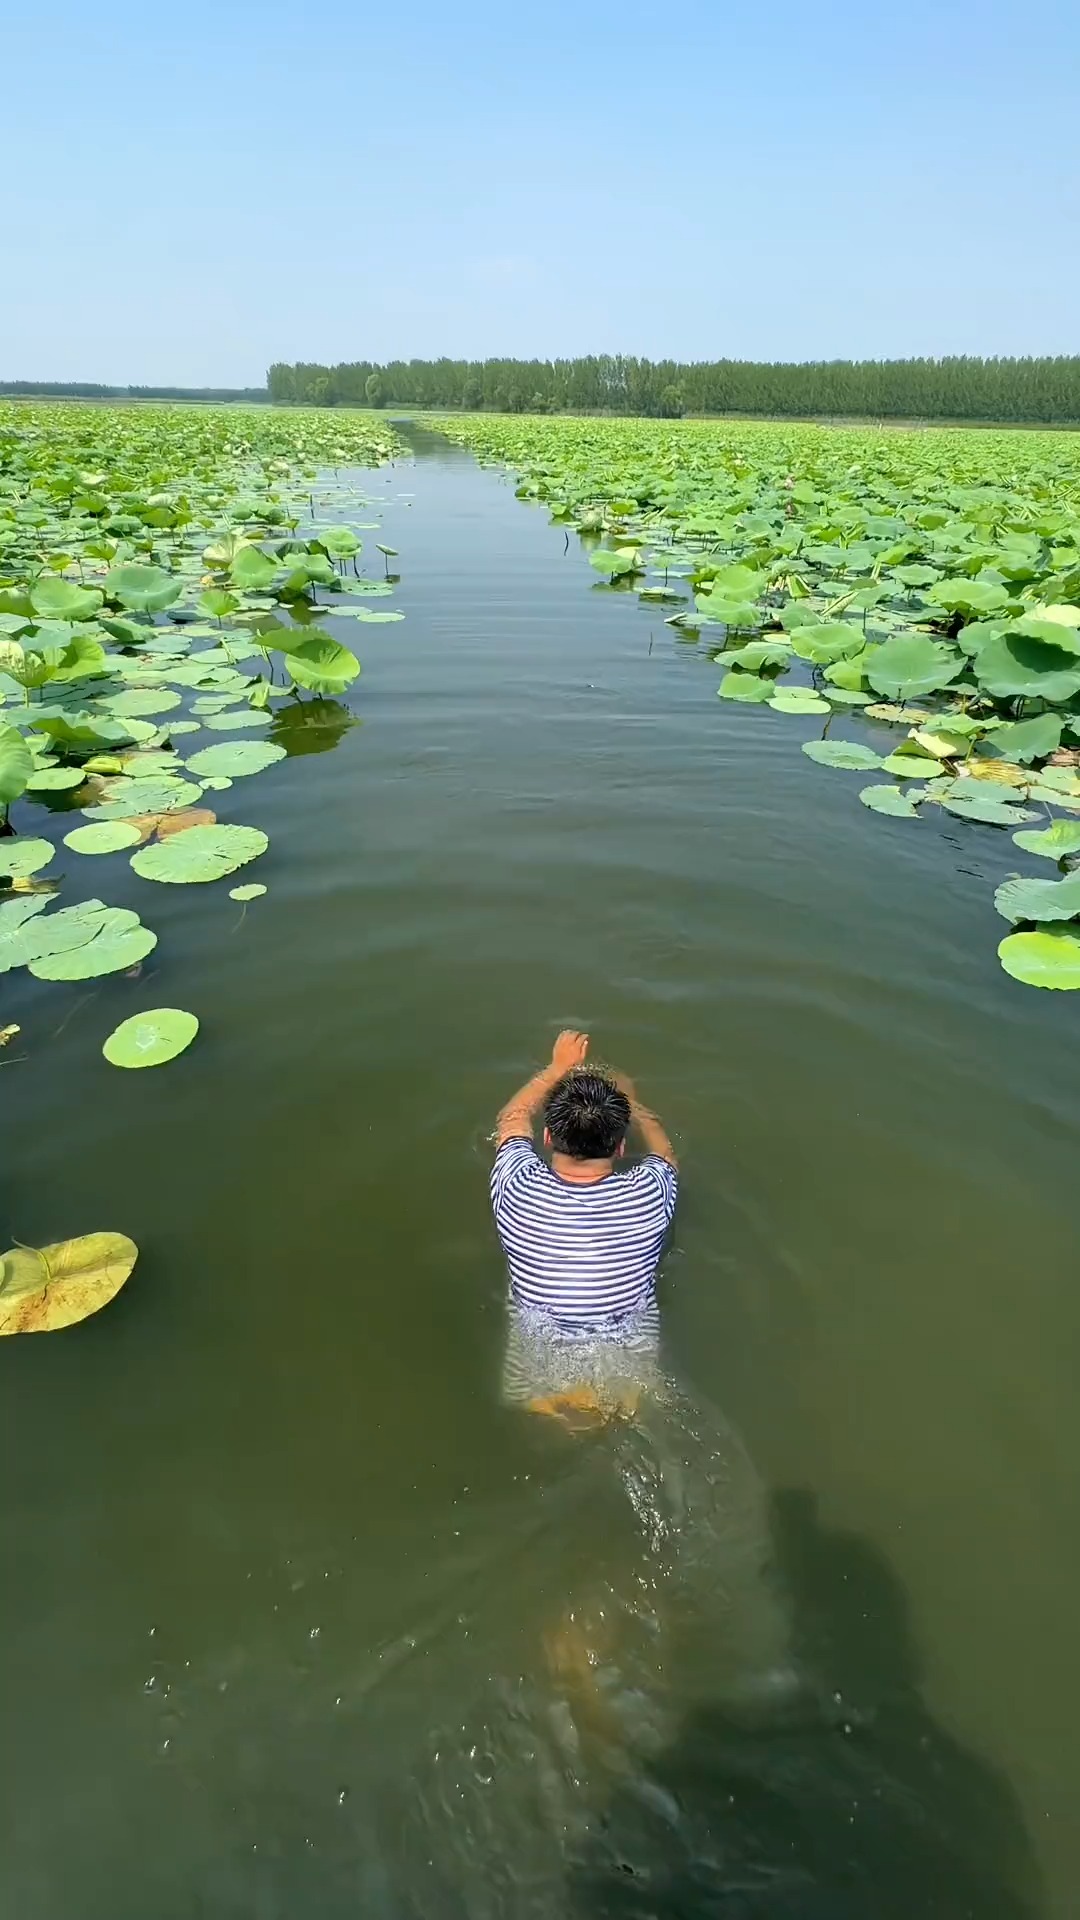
907	601
164	572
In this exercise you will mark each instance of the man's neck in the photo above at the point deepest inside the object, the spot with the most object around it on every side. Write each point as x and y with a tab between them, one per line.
581	1173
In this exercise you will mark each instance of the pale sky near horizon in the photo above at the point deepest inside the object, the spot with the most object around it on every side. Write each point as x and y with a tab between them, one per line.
188	194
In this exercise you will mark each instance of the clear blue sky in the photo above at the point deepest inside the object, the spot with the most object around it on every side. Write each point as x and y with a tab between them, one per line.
190	192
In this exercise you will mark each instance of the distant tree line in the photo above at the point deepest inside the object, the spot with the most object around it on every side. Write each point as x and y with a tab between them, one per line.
91	390
960	388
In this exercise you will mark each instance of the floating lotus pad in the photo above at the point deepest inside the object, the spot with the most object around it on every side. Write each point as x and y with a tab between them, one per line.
150	1039
44	1288
200	854
236	719
108	836
233	758
1052	843
1043	959
116	945
141	701
55	779
253	891
848	754
157	794
1039	900
21	857
890	800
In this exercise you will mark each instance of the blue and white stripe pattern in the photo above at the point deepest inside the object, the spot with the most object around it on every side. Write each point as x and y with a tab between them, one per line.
584	1256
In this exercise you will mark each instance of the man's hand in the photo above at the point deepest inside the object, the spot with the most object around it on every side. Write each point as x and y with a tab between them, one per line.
570	1050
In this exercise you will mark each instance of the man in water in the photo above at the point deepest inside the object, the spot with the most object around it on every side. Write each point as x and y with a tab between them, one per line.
582	1241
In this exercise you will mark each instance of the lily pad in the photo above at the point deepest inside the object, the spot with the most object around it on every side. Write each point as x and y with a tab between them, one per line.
912	664
889	800
106	836
237	719
140	701
1028	740
747	687
1043	959
71	1280
1056	842
1039	900
233	758
14	915
160	794
114	948
20	857
200	854
55	779
798	700
992	813
911	766
842	753
253	891
150	1039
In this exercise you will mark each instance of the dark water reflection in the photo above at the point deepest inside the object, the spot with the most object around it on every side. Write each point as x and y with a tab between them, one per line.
300	1620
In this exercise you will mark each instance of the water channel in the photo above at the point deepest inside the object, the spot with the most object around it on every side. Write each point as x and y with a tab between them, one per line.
299	1620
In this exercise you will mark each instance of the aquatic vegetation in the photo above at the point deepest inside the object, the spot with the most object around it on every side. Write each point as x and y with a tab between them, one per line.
160	572
927	582
151	1039
42	1288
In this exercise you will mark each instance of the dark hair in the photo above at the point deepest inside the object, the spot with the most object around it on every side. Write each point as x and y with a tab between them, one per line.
587	1116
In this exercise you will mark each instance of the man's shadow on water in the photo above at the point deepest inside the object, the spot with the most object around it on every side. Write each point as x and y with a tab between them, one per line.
843	1801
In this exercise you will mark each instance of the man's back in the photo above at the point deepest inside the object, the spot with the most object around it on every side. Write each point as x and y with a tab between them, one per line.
583	1253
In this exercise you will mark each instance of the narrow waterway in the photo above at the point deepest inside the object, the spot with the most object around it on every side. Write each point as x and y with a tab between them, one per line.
298	1619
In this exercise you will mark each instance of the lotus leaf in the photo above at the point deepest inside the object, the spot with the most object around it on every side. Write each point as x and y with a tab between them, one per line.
253	891
321	663
234	758
1028	740
890	800
14	914
56	599
911	766
200	854
798	700
236	720
340	542
144	589
115	946
55	779
16	765
1043	959
66	1283
107	837
912	664
163	793
1011	664
151	1039
968	596
20	857
141	701
1055	842
745	686
848	754
1038	900
828	641
992	813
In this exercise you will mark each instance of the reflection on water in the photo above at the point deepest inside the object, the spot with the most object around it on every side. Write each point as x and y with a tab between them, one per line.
312	725
654	1534
846	1801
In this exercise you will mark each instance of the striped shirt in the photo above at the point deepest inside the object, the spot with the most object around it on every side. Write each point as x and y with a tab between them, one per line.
584	1255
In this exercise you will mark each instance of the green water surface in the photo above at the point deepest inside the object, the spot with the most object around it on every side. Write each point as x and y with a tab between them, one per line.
291	1603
